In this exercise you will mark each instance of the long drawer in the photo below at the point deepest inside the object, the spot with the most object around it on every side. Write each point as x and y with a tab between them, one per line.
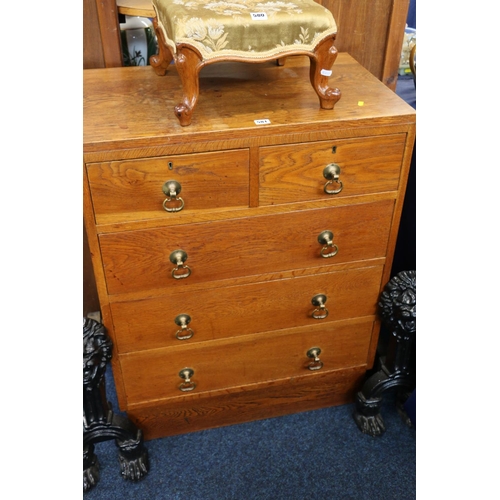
293	173
233	311
207	181
146	259
252	359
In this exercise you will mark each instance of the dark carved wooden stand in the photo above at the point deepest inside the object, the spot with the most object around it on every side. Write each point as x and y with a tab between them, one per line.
398	309
99	421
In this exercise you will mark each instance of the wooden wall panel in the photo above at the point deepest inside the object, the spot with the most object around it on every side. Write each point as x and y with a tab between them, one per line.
372	32
101	28
93	56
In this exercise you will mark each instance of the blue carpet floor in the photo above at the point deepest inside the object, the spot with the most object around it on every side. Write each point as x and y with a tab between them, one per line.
318	454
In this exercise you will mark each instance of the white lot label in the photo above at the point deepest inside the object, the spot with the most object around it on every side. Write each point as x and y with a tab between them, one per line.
265	121
259	16
326	72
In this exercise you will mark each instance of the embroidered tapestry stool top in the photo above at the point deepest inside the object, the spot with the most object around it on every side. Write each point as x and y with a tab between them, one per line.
195	33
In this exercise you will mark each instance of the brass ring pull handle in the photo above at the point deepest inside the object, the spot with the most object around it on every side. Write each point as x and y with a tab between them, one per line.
330	249
183	321
332	173
171	190
188	384
178	257
321	312
314	353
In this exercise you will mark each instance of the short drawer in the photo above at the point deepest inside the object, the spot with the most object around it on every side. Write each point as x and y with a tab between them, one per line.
294	173
120	189
252	359
185	317
141	260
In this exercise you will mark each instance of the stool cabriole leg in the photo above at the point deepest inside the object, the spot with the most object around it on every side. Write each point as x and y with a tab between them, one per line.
188	63
322	61
161	62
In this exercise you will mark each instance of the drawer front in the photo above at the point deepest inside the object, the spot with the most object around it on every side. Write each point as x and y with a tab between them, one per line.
140	260
208	180
251	359
240	310
294	173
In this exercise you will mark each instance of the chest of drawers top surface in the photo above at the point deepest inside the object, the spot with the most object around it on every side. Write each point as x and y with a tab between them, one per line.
133	107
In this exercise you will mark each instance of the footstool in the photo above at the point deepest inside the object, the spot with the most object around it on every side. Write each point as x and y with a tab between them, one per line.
194	33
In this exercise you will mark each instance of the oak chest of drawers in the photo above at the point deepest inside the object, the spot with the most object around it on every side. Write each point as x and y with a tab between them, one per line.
248	287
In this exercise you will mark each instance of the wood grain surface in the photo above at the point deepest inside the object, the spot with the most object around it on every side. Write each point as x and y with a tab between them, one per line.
232	311
122	105
247	360
140	260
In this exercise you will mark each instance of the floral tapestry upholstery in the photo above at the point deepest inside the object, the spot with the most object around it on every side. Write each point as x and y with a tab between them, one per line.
244	28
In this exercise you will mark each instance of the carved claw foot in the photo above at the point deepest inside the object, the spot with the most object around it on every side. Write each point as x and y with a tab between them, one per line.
367	416
134	460
134	469
372	425
91	474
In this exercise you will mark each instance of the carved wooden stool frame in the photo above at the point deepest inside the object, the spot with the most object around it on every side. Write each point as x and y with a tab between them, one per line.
189	63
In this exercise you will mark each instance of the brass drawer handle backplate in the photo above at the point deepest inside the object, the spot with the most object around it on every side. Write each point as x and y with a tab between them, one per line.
183	321
332	173
188	384
178	257
171	190
330	249
321	312
314	353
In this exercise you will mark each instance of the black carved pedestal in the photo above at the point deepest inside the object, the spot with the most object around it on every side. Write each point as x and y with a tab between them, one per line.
99	421
395	371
